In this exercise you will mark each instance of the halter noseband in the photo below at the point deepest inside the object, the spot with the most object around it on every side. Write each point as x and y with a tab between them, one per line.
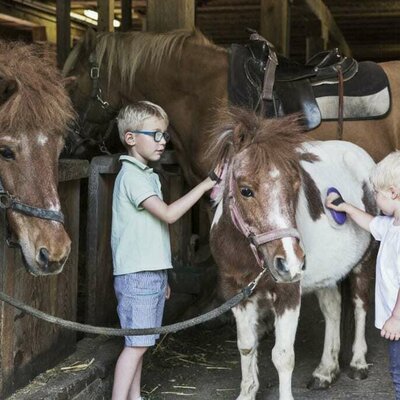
8	201
255	240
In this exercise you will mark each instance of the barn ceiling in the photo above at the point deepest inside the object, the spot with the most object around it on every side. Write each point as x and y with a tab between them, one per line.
371	28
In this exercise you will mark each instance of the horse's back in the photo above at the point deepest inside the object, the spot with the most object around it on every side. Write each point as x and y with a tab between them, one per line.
332	250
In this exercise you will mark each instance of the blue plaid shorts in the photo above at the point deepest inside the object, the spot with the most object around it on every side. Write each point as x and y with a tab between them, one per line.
141	300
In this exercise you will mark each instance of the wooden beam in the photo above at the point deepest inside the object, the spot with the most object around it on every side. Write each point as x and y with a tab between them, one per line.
126	15
275	24
164	16
63	9
321	12
105	9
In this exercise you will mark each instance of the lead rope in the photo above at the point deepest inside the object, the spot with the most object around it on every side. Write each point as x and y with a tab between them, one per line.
76	326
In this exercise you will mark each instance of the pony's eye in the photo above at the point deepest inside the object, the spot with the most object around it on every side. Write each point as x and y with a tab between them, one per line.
7	153
246	192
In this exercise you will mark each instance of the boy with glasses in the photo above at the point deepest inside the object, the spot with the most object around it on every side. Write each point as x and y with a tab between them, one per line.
140	237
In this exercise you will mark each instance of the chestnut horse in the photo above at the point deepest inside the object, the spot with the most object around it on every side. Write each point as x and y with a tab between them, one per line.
272	195
187	75
34	111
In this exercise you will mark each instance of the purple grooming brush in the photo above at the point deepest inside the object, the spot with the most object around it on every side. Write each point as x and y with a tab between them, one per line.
338	216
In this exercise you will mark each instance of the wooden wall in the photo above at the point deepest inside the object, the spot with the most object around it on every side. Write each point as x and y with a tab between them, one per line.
29	346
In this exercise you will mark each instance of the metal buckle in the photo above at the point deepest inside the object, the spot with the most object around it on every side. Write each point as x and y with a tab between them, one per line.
5	200
94	72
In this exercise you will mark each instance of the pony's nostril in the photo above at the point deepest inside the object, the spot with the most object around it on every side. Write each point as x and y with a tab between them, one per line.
303	268
281	265
43	256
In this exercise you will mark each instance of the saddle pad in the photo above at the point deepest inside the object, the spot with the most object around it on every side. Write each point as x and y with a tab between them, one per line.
366	95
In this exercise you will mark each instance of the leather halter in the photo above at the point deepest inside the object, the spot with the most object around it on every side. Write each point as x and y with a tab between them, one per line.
255	240
8	201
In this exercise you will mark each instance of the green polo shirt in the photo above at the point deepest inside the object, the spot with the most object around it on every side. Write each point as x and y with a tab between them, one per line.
139	240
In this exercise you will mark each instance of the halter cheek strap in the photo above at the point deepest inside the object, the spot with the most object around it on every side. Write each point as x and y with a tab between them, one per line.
8	201
255	240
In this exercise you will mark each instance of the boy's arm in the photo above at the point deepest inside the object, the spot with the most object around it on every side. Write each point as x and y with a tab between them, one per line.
391	328
359	216
172	212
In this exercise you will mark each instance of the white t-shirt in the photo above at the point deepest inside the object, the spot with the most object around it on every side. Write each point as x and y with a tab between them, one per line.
139	240
387	267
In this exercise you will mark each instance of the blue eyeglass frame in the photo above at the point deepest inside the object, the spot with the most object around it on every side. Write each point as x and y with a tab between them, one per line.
165	135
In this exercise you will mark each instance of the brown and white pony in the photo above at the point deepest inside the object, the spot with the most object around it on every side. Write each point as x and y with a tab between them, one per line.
188	76
270	214
34	111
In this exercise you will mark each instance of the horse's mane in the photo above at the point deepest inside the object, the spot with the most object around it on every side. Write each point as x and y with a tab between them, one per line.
40	102
130	50
274	140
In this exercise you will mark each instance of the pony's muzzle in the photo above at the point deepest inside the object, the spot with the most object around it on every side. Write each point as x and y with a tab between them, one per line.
289	272
50	264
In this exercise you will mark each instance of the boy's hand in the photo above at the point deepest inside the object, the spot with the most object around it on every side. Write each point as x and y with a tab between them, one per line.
340	207
391	329
168	292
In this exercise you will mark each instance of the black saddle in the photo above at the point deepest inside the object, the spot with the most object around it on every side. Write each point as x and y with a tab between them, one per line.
292	86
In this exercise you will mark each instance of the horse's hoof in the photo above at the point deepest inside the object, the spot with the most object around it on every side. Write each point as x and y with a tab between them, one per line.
358	374
318	384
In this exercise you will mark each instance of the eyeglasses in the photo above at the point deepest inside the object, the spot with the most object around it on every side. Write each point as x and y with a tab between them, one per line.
157	135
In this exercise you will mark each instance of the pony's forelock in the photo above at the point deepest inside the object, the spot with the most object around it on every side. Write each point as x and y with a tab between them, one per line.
40	102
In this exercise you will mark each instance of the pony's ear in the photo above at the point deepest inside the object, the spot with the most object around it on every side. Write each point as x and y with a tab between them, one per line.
7	88
90	39
238	137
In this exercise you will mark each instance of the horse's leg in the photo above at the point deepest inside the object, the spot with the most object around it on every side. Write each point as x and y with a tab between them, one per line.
247	341
328	369
360	280
283	351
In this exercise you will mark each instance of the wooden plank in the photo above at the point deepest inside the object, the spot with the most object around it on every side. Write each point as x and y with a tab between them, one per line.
105	10
63	9
317	38
321	12
275	24
164	16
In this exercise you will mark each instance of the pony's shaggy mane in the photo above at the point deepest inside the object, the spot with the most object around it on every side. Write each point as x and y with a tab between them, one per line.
274	140
40	102
127	51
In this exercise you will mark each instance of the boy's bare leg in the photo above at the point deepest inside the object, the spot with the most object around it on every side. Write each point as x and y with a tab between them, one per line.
134	392
126	379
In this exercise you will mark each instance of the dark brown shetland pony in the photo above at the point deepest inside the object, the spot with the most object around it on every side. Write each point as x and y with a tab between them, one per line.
34	112
271	196
187	75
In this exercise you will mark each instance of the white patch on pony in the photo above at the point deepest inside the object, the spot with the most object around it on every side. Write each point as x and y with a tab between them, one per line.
358	360
218	213
247	341
283	351
274	173
42	139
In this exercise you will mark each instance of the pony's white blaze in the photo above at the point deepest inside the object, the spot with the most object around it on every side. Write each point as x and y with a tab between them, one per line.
274	173
42	139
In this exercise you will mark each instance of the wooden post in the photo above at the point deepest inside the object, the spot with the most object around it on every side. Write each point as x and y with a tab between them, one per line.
126	15
105	9
63	9
317	38
164	16
275	24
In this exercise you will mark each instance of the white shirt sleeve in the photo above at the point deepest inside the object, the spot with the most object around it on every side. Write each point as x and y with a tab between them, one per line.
379	226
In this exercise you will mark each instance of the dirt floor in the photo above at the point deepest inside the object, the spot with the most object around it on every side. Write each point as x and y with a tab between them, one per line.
205	365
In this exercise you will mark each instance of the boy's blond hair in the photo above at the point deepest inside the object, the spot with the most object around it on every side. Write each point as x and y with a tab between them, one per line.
387	172
131	117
